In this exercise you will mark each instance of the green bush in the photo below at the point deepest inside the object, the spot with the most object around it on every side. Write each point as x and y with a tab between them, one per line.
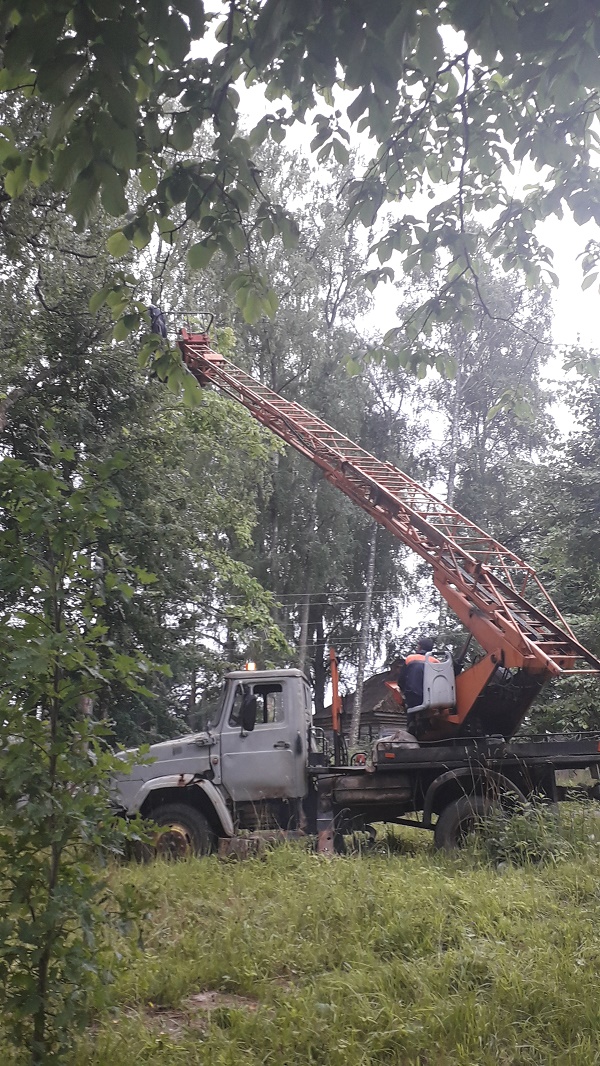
57	833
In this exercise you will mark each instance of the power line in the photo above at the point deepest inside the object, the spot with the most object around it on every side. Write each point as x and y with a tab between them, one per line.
289	598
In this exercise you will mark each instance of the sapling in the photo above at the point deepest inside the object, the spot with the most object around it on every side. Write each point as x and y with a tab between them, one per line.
57	829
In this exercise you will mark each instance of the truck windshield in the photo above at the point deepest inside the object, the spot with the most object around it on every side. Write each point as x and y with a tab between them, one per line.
210	711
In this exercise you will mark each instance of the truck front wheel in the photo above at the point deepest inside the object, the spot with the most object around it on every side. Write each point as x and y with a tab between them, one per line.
183	831
459	819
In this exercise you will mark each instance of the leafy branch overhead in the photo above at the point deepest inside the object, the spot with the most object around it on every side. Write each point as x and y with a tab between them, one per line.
450	98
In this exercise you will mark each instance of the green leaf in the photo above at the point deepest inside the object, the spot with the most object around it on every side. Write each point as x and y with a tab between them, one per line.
122	330
153	134
177	39
117	244
82	198
238	238
145	577
194	12
40	167
267	230
16	180
252	306
148	177
7	144
360	104
200	255
113	194
115	296
16	77
271	303
141	237
277	132
119	308
192	393
430	49
63	115
124	148
340	151
166	228
260	132
290	232
98	299
182	133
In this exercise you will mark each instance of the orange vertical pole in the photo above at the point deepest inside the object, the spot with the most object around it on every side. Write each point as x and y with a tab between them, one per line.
336	700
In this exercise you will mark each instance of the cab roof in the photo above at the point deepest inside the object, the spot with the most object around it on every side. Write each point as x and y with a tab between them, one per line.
263	675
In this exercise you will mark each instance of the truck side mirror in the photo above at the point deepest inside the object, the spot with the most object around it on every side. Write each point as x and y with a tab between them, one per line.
248	713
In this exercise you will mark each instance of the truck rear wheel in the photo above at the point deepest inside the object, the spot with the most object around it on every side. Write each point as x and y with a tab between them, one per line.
460	819
183	831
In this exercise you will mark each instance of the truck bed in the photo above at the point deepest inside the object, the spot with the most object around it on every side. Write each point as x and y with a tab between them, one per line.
426	778
561	750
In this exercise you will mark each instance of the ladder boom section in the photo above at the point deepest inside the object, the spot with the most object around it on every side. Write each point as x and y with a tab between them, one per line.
495	594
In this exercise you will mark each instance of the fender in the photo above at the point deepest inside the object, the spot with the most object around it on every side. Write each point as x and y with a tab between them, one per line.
222	811
184	781
475	774
133	803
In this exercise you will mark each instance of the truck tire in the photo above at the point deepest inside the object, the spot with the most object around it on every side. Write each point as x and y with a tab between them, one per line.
183	831
458	820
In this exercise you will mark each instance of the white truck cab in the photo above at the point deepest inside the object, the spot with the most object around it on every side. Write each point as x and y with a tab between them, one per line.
247	771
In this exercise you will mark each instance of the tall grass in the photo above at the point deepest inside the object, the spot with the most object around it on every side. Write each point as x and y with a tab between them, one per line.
400	955
538	834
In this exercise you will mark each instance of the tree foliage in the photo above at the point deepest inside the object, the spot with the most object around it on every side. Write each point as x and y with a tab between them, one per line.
495	410
56	826
568	555
453	96
187	482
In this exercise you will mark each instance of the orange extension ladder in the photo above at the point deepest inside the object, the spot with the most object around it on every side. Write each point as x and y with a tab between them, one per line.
497	596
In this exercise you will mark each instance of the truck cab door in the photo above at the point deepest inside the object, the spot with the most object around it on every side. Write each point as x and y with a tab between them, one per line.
267	761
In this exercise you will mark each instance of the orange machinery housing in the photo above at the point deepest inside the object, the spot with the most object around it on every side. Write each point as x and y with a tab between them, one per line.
498	597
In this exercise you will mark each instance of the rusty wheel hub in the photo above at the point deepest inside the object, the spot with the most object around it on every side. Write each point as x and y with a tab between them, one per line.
173	842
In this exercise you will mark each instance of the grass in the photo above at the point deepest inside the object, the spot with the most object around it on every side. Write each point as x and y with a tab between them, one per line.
396	956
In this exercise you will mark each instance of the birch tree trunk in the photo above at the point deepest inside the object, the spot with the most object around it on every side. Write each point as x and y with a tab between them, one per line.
316	626
365	630
454	437
303	648
452	465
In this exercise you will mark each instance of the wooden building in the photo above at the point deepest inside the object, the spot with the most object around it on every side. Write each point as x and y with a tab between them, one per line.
380	712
